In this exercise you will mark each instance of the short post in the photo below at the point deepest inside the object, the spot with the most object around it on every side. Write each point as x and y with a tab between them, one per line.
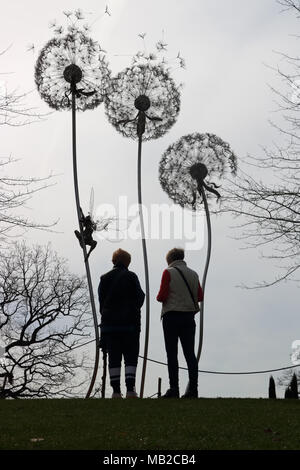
159	388
104	373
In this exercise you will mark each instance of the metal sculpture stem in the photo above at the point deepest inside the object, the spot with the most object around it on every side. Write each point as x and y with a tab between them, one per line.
202	192
145	266
86	262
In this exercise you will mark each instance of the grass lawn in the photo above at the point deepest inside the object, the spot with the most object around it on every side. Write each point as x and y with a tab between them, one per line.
150	424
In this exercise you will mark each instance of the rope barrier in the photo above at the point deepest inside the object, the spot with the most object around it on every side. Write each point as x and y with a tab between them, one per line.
203	371
231	373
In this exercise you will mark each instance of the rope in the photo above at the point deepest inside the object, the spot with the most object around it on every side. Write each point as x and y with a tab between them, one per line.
231	373
254	372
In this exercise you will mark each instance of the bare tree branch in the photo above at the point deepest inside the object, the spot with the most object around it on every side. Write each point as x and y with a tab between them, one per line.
268	209
43	316
15	193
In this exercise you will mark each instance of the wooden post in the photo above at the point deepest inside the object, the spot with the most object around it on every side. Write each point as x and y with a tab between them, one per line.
159	388
104	374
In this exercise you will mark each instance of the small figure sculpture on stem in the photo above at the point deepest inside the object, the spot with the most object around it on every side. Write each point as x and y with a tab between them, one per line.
87	233
64	62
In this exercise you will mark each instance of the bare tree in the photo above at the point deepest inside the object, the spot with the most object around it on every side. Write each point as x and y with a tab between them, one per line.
270	219
290	4
266	193
15	192
14	110
43	317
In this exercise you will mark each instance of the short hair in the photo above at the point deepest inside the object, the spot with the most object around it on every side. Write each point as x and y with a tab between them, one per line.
121	256
174	255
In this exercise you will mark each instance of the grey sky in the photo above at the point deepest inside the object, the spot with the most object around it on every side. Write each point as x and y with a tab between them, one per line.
226	44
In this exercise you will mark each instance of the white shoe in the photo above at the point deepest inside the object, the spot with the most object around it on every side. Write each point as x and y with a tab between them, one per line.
132	394
116	395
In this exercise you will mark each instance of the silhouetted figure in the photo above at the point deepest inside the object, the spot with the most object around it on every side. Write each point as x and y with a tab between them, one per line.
121	299
180	292
88	228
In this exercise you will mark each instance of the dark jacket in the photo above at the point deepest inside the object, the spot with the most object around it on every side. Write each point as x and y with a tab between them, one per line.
121	299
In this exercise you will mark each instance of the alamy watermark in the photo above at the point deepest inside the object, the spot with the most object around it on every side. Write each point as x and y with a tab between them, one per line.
161	222
295	356
2	353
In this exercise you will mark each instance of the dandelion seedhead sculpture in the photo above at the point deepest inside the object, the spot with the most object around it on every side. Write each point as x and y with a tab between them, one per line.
193	164
71	73
74	62
193	161
143	103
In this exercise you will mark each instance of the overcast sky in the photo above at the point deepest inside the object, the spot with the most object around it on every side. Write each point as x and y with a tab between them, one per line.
227	45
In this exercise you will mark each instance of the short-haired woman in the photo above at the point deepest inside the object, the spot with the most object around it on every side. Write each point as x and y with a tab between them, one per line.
180	292
121	299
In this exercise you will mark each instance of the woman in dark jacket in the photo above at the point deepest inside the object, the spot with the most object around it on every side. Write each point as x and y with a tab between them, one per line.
121	299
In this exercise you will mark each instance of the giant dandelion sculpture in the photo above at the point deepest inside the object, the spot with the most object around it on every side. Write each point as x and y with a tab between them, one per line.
143	104
191	172
71	73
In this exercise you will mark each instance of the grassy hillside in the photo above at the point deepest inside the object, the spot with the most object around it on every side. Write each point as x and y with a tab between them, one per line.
150	424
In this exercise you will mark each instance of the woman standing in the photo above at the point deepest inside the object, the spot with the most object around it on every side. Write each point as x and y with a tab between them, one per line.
180	292
121	299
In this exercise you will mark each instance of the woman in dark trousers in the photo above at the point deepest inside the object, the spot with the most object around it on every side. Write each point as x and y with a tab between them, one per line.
180	292
121	299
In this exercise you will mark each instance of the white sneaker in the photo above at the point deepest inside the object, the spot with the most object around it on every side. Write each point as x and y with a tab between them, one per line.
132	394
116	395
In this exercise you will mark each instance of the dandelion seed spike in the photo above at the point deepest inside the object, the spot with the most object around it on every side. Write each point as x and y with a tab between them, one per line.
107	12
30	47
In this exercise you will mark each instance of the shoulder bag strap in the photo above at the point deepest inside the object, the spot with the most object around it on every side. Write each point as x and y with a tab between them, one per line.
187	285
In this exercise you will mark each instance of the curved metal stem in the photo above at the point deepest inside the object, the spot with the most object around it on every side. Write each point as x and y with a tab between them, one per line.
145	266
209	238
86	262
202	192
